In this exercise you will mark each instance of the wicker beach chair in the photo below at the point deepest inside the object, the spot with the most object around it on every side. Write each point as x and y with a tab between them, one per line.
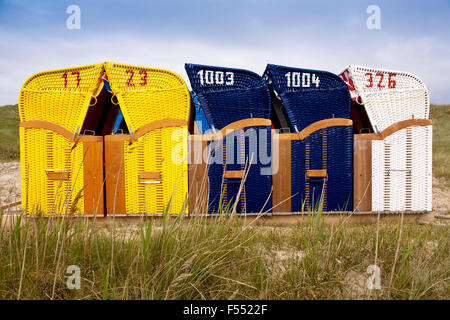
152	159
395	144
317	104
53	153
237	104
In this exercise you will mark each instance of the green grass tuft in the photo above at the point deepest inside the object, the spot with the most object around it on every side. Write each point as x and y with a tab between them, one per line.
9	133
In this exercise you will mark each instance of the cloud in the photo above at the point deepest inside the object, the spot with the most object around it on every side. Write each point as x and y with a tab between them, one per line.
246	40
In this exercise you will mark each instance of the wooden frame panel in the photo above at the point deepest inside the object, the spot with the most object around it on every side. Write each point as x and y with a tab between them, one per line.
281	179
362	175
115	174
198	175
93	176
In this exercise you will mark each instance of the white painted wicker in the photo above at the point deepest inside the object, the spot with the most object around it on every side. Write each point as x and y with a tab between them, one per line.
388	96
402	171
401	163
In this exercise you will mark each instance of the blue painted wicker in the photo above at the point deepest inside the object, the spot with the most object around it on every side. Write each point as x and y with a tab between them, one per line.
256	195
306	102
239	94
227	95
330	149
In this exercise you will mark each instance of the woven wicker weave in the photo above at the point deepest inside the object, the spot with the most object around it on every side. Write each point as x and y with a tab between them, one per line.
307	102
153	153
247	96
60	97
402	171
146	95
401	162
42	151
227	95
404	97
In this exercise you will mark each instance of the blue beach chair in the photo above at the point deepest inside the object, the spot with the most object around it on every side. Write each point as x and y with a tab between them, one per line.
229	97
317	105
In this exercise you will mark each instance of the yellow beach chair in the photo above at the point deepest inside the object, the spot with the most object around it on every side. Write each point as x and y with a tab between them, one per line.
52	108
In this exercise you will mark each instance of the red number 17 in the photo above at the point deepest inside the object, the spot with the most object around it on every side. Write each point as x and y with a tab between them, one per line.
77	73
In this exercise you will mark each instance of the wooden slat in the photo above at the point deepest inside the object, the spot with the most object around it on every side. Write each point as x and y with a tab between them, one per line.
39	124
238	174
237	125
114	171
403	124
281	179
322	124
393	128
368	136
93	177
241	124
157	125
322	173
57	175
362	175
152	175
66	133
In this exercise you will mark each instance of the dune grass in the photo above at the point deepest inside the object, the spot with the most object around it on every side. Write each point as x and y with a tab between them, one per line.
221	258
9	133
440	114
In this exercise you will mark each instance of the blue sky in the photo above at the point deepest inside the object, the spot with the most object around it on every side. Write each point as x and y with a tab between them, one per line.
327	35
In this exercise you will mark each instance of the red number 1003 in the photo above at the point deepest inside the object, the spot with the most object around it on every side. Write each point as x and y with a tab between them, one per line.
391	81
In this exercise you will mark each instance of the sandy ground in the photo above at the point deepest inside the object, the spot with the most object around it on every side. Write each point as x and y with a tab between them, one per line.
10	188
9	182
441	196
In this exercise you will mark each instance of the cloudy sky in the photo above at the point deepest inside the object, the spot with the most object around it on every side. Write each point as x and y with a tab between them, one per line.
326	35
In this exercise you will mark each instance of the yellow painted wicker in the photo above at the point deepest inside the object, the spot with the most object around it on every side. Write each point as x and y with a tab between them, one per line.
58	97
52	160
42	153
146	95
153	153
